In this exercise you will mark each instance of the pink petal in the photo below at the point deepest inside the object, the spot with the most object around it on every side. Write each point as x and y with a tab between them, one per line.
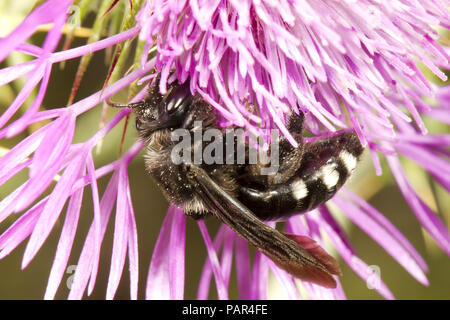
176	258
8	203
120	236
65	244
243	268
389	227
45	13
22	150
158	274
12	73
205	278
33	80
37	184
260	277
21	229
21	124
227	254
53	209
97	212
384	238
88	254
426	216
315	292
222	290
55	143
347	253
285	280
133	257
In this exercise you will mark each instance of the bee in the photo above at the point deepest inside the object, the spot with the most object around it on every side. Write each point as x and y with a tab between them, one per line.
237	194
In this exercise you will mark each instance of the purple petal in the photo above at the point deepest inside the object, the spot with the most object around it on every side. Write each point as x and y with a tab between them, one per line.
21	229
295	226
53	209
133	257
33	80
8	203
120	236
22	150
227	254
243	268
30	49
51	41
286	281
260	277
88	254
38	183
427	160
12	73
440	114
12	172
92	101
55	143
21	124
97	214
224	238
176	258
385	223
45	13
348	253
205	278
95	46
65	244
426	216
222	290
158	273
383	236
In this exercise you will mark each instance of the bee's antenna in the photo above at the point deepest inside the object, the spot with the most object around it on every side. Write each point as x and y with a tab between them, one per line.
118	105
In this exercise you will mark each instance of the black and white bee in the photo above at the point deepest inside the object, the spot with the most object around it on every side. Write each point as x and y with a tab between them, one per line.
238	195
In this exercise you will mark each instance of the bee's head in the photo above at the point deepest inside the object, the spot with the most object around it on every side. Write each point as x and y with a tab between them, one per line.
158	112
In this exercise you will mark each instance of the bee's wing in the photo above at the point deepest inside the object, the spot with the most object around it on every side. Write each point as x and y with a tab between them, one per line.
298	255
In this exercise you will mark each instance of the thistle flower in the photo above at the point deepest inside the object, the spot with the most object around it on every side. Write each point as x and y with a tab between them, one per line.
345	64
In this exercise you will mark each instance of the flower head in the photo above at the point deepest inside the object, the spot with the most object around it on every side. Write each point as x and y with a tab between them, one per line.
344	64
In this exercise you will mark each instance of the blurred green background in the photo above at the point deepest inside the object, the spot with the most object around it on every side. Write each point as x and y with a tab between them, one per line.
150	206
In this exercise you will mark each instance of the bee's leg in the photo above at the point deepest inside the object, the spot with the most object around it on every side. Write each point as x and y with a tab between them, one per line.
153	91
326	165
195	208
196	215
199	111
289	157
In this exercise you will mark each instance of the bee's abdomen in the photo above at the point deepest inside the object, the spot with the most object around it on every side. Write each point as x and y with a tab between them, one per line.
315	183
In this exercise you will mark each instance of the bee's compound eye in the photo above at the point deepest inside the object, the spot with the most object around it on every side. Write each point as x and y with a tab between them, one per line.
178	99
175	103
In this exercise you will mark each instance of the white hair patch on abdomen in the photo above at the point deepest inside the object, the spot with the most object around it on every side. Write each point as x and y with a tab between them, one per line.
329	175
299	189
348	160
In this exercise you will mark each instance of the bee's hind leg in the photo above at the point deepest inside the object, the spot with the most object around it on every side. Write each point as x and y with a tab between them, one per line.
289	158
